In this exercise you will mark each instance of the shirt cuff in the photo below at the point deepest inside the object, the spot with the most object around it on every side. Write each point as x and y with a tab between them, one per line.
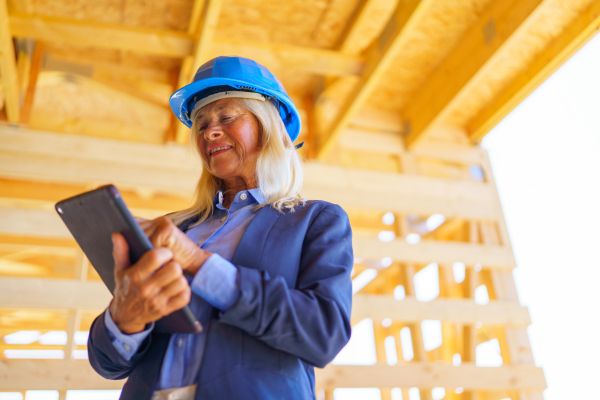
126	345
215	282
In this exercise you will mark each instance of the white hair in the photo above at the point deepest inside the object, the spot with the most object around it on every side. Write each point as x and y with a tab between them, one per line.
278	168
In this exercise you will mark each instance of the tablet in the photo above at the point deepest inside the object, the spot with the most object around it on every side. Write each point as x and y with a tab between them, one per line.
92	218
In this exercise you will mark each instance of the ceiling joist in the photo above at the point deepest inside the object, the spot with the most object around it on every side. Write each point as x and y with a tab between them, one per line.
379	56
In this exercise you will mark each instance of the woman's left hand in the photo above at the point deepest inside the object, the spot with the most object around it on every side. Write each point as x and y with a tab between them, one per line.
163	233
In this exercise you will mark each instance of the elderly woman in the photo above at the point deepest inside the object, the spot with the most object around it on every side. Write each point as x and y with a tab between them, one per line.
266	272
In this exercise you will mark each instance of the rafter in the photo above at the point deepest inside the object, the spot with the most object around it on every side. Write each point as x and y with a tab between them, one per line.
380	56
347	42
8	67
574	37
436	98
206	22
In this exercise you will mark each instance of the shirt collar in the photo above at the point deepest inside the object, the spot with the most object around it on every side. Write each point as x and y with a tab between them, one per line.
255	193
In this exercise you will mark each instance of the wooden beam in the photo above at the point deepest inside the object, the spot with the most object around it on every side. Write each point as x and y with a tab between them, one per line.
197	9
101	35
464	311
437	97
37	59
206	33
51	193
203	37
17	375
380	56
77	160
33	221
8	67
178	44
95	149
391	143
51	293
430	375
428	251
353	31
282	56
32	249
66	293
402	193
573	38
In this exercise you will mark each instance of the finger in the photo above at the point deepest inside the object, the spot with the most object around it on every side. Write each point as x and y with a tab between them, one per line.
161	234
179	301
152	260
175	287
140	220
170	272
120	252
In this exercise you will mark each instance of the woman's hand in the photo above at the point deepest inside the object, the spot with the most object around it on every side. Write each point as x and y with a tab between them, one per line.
163	233
145	292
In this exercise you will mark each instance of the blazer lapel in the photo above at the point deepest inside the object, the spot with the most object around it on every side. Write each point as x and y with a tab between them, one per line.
252	244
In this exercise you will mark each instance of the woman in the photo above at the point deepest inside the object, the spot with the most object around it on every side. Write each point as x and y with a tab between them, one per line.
266	272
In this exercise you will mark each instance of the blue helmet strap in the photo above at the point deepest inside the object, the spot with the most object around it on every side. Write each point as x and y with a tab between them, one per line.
299	145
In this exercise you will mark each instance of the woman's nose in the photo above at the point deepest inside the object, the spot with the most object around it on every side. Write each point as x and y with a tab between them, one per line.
213	132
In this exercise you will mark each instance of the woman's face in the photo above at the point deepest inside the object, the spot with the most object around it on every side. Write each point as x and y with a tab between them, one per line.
228	140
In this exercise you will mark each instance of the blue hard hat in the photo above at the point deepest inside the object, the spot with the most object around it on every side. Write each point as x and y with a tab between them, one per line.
235	73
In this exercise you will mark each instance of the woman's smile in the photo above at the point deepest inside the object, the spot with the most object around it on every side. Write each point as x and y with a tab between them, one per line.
218	148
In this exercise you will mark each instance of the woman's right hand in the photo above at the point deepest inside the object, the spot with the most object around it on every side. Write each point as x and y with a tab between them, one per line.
145	292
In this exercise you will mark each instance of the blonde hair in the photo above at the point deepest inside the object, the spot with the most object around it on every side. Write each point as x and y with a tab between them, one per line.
278	168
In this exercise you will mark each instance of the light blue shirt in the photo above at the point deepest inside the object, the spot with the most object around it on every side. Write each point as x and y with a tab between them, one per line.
214	285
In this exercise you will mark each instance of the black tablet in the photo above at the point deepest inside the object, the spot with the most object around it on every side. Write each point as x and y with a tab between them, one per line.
92	218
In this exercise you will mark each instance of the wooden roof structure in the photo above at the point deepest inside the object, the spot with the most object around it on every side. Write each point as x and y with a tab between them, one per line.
394	95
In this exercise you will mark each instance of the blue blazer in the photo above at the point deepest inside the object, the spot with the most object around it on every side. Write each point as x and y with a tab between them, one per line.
293	313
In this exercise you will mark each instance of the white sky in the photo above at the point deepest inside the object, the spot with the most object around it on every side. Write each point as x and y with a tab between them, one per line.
546	161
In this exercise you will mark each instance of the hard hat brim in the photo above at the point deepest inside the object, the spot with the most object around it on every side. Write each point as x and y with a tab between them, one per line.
179	102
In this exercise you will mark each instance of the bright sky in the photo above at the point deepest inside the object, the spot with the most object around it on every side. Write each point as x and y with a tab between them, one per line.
546	160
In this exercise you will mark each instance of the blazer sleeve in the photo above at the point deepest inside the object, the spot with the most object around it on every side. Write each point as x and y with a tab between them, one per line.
312	320
104	357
